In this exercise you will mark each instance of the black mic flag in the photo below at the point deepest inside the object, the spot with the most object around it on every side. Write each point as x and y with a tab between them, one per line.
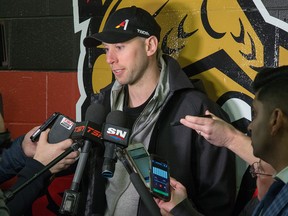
114	129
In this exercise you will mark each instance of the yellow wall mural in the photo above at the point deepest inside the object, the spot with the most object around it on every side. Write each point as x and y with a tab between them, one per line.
223	43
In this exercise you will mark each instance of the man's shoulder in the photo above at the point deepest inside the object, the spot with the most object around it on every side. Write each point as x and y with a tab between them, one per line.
199	100
280	205
103	97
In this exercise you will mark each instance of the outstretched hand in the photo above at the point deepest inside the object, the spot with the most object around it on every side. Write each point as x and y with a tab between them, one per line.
46	152
212	129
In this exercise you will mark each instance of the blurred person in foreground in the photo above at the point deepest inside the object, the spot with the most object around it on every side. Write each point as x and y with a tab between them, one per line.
269	141
37	155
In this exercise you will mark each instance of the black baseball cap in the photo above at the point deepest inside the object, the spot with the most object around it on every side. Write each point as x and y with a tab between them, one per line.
125	24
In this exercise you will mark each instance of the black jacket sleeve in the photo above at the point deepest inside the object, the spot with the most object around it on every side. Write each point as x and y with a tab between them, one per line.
185	208
24	198
12	160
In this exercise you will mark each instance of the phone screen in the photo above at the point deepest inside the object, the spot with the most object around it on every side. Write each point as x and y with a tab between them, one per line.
141	159
160	178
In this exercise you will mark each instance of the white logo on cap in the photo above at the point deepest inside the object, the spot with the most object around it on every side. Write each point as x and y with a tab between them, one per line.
126	24
143	32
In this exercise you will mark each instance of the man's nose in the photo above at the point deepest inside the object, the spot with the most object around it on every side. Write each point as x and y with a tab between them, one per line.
111	57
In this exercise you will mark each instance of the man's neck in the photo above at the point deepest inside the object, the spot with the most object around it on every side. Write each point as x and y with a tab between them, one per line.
137	96
140	92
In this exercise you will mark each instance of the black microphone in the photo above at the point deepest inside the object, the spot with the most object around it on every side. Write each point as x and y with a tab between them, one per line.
88	132
61	128
116	138
114	134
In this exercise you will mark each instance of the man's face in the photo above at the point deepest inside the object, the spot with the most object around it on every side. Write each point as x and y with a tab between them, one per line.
128	60
260	130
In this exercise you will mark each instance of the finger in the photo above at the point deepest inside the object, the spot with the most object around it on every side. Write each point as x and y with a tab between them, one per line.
65	143
207	112
69	161
173	183
44	136
73	155
197	120
193	124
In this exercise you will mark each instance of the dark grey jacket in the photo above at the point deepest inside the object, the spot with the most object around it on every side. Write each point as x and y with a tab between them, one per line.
207	172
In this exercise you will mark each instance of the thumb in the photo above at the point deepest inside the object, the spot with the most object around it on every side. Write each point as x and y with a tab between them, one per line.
207	112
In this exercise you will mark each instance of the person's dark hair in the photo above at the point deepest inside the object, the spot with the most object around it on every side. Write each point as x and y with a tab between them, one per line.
271	87
268	74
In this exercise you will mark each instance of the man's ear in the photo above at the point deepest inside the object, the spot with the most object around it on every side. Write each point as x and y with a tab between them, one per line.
277	118
151	45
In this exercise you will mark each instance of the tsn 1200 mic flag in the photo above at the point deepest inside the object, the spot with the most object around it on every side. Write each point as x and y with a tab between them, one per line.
91	128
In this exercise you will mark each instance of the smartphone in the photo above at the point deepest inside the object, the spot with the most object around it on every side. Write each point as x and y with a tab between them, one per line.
47	124
140	159
159	178
61	128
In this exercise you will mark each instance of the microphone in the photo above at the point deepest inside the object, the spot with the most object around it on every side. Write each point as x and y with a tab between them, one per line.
116	138
88	132
61	128
114	134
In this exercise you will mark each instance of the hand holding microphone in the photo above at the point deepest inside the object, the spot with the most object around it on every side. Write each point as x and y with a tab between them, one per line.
45	153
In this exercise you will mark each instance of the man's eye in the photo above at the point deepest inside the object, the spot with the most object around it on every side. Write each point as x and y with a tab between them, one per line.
119	47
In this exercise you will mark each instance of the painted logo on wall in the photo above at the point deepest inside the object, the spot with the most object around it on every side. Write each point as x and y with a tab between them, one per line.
223	43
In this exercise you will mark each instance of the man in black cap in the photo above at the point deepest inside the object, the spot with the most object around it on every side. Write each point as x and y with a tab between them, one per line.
153	91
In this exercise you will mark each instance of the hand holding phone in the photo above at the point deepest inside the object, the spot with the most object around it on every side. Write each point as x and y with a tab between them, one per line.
47	124
159	178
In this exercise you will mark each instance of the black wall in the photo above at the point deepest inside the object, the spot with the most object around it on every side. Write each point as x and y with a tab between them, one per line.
39	35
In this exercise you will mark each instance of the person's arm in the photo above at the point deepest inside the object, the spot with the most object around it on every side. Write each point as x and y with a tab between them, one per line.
222	134
5	138
12	160
22	200
185	208
44	154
